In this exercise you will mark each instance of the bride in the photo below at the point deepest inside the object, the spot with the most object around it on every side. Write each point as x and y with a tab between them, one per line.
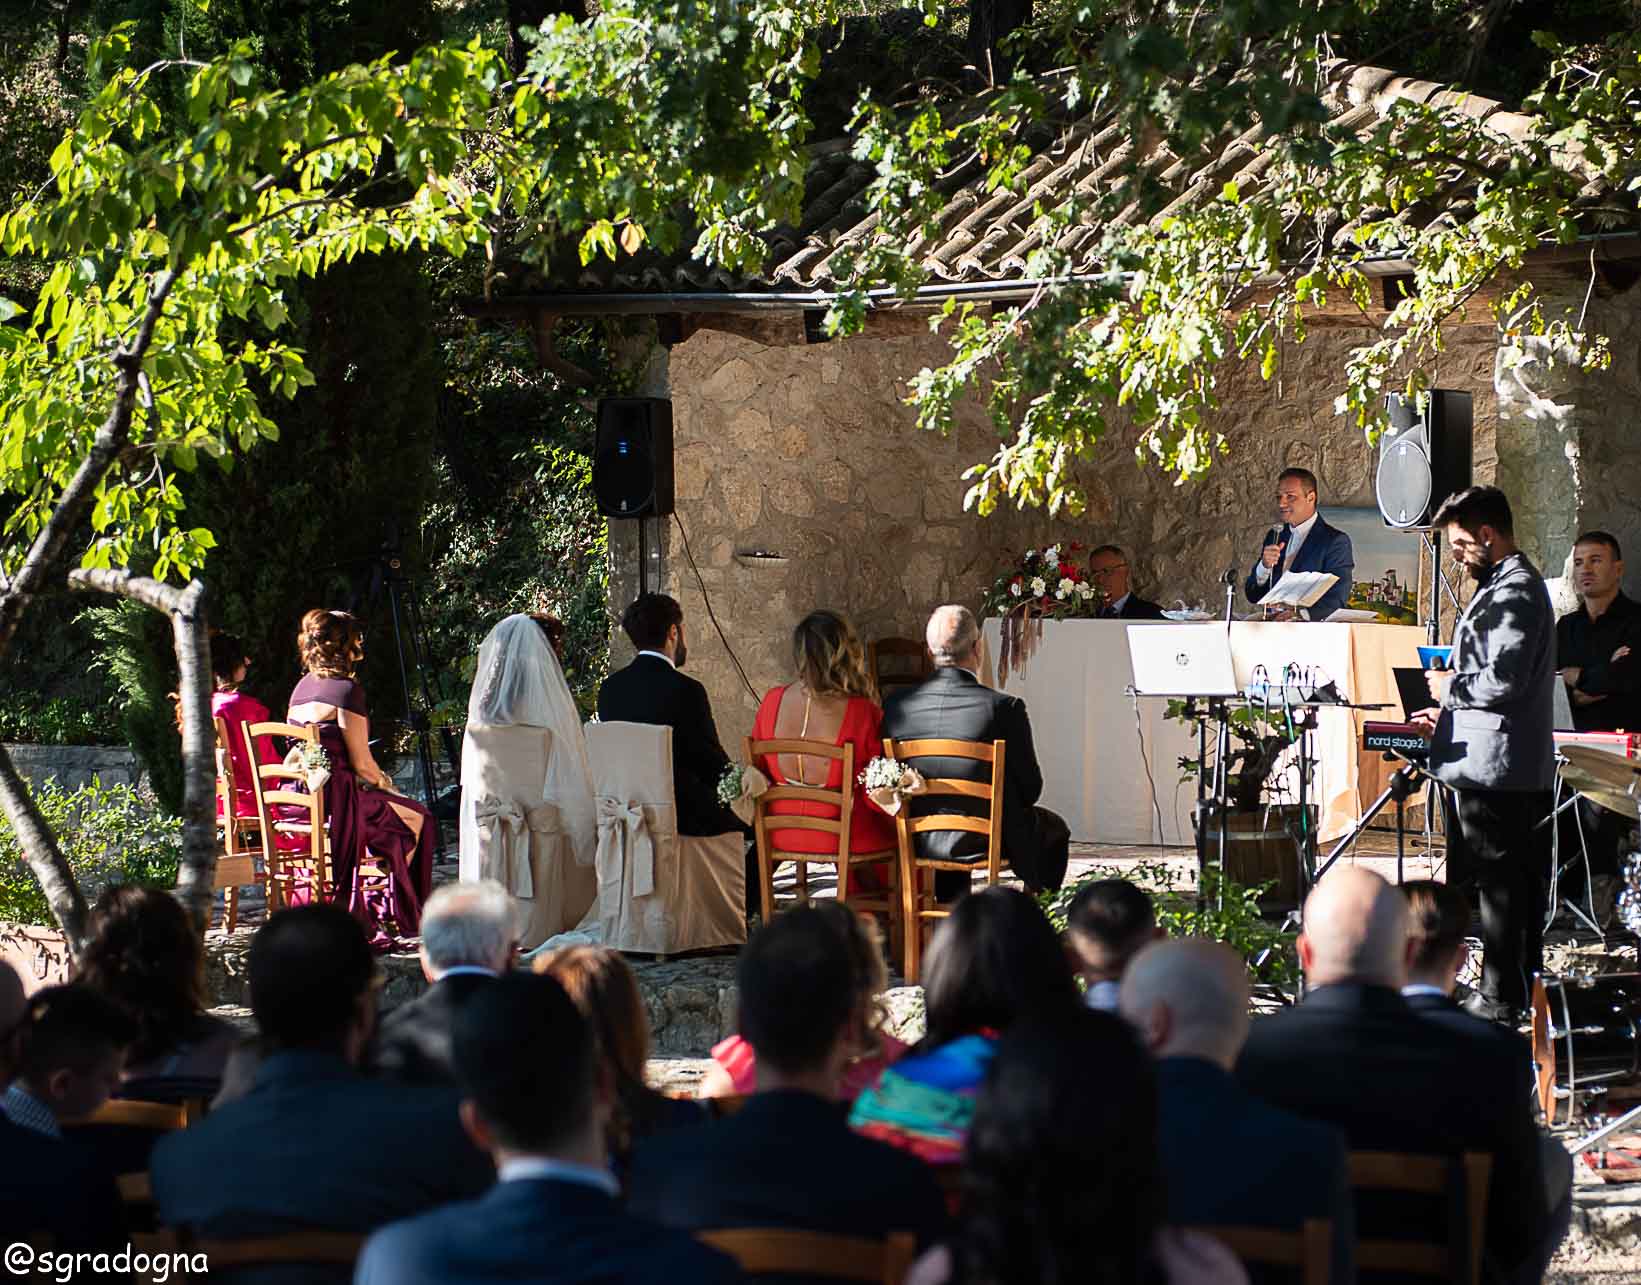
527	815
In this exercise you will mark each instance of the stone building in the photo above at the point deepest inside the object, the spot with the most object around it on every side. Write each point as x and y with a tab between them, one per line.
802	480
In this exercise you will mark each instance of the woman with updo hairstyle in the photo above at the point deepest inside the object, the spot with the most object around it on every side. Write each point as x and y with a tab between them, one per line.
834	700
364	810
145	954
234	708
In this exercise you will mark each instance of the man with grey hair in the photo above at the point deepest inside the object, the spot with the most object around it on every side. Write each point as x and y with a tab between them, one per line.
1354	1054
469	934
953	704
1229	1159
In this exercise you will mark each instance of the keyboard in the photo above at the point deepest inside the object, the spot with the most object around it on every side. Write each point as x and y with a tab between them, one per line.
1624	744
1409	740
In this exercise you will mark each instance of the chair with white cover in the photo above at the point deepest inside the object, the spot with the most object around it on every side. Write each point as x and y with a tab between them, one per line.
659	892
511	834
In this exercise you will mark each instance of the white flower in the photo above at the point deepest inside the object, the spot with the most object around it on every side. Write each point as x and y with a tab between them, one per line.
1052	553
1014	588
1038	588
1066	585
1084	590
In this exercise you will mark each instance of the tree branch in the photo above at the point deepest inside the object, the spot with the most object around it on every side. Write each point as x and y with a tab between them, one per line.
44	857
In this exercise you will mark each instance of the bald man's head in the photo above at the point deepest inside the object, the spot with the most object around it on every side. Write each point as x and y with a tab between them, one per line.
1355	931
1188	998
952	635
12	1005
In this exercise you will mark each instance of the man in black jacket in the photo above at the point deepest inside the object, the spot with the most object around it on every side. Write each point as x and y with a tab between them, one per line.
468	938
954	705
652	690
1356	1056
1108	569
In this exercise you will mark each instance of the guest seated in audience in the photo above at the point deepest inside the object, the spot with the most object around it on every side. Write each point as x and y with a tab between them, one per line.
653	690
731	1175
993	962
314	1144
467	940
1355	1055
146	956
1230	1159
1108	922
953	704
603	986
362	808
529	1067
835	700
64	1047
734	1068
1108	569
1062	1179
235	708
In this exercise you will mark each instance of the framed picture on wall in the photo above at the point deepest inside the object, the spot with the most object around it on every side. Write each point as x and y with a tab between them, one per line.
1387	565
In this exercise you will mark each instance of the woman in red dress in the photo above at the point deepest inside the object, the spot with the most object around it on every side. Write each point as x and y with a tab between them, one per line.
834	700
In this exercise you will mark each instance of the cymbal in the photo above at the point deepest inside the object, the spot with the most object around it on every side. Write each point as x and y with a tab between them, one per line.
1603	778
1614	801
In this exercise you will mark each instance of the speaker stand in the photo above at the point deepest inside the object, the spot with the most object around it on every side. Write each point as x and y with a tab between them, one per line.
643	557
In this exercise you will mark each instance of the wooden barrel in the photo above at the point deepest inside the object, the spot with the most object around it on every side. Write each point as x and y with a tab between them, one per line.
1260	848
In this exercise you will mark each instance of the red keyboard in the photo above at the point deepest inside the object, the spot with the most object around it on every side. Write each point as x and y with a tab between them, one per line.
1409	740
1624	744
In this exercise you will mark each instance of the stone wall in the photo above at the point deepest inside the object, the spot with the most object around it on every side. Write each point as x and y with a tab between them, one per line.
810	453
72	766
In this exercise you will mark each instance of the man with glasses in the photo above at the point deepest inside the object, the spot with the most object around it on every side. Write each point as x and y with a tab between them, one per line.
1108	569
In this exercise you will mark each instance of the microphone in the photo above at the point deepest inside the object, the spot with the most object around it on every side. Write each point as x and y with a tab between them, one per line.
1279	534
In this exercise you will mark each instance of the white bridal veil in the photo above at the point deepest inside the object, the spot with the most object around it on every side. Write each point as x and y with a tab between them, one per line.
518	682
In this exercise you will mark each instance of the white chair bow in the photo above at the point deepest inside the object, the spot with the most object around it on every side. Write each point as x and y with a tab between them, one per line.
631	829
502	822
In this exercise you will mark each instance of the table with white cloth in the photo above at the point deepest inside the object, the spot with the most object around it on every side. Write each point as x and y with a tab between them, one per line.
1111	761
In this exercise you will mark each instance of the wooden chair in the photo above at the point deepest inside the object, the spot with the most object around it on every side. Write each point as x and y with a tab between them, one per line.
285	861
917	904
843	799
135	1187
721	1108
911	662
1445	1178
1308	1250
337	1248
241	839
764	1251
130	1113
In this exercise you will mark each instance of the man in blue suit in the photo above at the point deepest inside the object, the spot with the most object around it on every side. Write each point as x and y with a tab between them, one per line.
1302	542
1230	1159
535	1098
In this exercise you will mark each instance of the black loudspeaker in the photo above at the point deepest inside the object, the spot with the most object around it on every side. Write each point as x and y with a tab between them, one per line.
632	459
1423	459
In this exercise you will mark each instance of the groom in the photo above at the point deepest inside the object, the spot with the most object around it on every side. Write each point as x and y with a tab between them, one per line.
651	690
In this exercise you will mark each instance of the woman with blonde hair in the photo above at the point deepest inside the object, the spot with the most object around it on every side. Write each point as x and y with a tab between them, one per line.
833	700
363	808
601	984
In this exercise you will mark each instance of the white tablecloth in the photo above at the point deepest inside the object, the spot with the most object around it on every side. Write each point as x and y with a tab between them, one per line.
1111	762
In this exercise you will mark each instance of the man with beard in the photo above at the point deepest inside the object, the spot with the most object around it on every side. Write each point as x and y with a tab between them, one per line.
1491	743
652	690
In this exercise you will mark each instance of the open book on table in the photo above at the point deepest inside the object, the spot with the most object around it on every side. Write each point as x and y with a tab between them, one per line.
1298	589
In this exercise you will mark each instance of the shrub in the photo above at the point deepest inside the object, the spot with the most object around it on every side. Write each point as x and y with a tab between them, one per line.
109	834
59	720
1233	919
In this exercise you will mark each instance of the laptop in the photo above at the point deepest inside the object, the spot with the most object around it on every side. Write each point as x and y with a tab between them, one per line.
1182	660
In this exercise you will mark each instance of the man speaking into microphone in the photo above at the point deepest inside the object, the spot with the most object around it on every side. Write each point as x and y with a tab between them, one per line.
1303	542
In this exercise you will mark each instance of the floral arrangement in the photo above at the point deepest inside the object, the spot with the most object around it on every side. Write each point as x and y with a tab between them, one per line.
314	763
1043	584
739	788
889	782
730	784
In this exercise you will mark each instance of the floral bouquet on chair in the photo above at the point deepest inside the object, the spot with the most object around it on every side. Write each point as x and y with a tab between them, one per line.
738	789
889	783
310	759
1042	584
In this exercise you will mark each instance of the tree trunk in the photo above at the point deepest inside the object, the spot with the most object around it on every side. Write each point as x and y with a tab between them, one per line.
989	22
40	564
532	13
186	607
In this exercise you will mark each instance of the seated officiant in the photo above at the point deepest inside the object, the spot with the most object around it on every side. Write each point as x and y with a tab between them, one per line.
652	690
954	704
1302	541
1108	569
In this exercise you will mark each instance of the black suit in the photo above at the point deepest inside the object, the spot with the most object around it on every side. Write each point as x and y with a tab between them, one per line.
1233	1160
315	1144
413	1041
785	1159
1135	607
1360	1058
541	1230
650	690
56	1187
954	704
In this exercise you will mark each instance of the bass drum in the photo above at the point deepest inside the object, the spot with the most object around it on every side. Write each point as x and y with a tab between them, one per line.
1586	1032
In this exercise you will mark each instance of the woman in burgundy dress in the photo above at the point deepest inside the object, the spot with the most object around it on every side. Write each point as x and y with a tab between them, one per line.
364	811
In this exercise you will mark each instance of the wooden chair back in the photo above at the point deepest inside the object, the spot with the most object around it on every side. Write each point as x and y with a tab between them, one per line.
911	662
1309	1251
842	798
1449	1179
266	781
132	1113
337	1248
241	834
917	906
764	1251
725	1105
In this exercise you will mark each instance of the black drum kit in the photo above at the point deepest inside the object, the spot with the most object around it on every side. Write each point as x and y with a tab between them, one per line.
1586	1030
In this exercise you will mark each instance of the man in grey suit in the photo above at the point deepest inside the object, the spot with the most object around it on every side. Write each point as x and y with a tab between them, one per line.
1492	743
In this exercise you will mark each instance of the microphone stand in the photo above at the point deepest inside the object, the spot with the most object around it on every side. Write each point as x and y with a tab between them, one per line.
1229	581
